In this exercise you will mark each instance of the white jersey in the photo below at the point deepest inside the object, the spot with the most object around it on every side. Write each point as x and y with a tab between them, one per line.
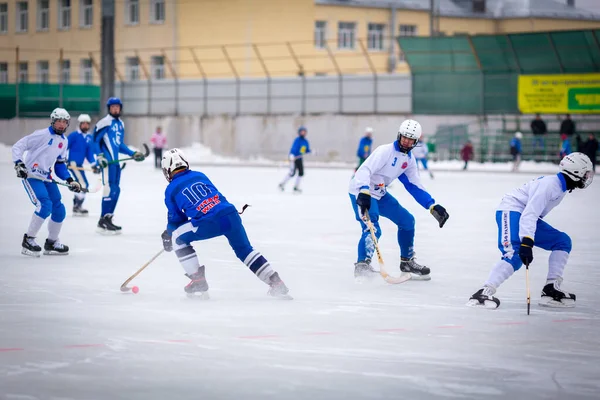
43	149
534	200
420	150
381	168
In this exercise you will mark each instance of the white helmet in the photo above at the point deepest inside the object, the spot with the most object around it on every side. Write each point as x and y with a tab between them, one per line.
84	118
518	135
410	129
578	167
172	160
57	115
368	129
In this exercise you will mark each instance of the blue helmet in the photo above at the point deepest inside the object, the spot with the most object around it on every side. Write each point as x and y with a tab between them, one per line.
114	100
302	128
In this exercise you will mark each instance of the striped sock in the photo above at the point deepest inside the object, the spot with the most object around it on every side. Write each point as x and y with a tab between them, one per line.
188	259
260	266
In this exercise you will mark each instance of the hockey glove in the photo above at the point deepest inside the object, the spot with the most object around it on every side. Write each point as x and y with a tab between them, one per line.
526	250
138	156
167	241
101	161
96	169
21	170
439	213
74	186
363	200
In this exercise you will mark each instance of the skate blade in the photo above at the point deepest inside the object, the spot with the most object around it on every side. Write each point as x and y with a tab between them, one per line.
30	253
80	215
106	232
417	277
551	303
55	253
282	297
198	296
487	304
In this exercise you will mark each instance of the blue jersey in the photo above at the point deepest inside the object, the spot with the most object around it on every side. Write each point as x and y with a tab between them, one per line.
192	196
300	147
109	136
364	147
516	144
80	148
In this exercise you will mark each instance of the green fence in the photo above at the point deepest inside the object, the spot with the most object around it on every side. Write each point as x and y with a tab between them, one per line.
478	74
38	100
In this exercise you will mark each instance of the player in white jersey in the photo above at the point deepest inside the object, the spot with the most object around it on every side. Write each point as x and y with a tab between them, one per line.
368	193
46	148
521	227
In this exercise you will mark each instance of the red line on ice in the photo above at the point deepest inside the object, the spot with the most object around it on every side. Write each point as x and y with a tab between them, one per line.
10	349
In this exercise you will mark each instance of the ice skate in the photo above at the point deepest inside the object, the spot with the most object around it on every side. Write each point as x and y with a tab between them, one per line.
418	272
297	190
364	270
55	248
281	187
554	296
198	287
30	247
106	226
80	212
484	298
278	288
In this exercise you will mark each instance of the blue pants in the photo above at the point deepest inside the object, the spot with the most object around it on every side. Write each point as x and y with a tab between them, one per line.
111	188
423	161
546	237
389	208
46	198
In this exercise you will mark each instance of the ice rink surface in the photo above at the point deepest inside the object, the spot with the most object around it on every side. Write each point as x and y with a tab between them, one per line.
66	332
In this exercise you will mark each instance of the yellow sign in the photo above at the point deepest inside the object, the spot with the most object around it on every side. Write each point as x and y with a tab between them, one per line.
559	94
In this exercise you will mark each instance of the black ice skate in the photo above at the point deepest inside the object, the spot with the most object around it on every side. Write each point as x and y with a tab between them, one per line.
106	226
55	248
484	298
30	247
278	288
198	285
363	269
297	190
554	296
80	212
418	272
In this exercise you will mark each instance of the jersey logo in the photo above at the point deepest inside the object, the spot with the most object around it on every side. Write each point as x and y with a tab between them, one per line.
60	145
50	142
404	165
395	161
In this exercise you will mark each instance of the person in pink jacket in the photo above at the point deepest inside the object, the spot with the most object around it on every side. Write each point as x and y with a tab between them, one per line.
159	141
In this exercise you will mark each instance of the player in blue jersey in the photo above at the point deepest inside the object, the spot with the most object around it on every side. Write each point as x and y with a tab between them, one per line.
45	148
81	149
521	227
300	147
109	141
365	146
198	211
368	193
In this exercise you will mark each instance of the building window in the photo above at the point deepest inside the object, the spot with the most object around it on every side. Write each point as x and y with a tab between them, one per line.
43	15
320	34
3	17
375	36
43	73
158	67
133	69
3	72
22	16
65	71
346	35
64	14
157	11
87	73
23	72
86	13
132	12
407	30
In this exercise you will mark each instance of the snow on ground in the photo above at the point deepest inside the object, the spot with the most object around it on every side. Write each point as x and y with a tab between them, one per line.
66	332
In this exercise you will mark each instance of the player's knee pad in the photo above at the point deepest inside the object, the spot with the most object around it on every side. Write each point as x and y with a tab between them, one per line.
58	212
44	208
185	253
563	243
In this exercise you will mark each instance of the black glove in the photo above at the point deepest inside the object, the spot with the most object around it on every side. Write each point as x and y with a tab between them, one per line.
439	213
21	170
74	186
101	161
96	169
364	202
526	250
138	156
167	241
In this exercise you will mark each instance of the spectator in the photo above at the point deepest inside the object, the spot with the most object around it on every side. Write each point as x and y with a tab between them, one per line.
565	147
567	126
466	153
516	149
590	149
539	129
159	141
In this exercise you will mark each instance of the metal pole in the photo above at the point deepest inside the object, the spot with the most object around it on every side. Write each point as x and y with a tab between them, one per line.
392	58
237	80
175	79
373	71
148	79
61	69
204	83
266	70
340	79
107	50
300	68
18	80
431	17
